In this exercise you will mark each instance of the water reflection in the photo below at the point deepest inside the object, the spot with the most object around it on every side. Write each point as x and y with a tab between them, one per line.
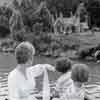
3	85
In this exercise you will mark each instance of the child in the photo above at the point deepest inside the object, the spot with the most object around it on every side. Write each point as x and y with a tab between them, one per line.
76	91
64	67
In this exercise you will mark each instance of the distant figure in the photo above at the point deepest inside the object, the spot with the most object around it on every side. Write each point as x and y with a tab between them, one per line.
59	25
81	15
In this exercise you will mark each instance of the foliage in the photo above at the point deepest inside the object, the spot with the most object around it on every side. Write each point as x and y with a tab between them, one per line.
19	36
32	14
93	8
57	6
31	20
15	22
64	6
5	14
87	51
7	44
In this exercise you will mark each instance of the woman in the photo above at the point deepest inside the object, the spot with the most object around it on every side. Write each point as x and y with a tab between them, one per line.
21	81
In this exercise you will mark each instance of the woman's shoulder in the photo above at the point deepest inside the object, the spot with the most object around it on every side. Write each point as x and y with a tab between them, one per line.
34	68
13	75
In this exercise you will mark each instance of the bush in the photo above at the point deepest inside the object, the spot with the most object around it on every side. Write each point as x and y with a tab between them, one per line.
83	53
7	43
37	28
45	37
4	32
19	36
5	14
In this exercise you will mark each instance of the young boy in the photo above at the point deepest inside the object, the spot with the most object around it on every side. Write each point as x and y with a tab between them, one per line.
63	66
76	91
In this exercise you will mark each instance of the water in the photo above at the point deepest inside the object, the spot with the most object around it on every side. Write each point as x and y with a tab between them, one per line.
8	63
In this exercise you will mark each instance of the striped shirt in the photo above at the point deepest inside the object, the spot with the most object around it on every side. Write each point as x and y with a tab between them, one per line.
63	83
74	93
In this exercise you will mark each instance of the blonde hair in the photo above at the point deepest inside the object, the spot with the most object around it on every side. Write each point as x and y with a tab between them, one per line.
80	73
24	51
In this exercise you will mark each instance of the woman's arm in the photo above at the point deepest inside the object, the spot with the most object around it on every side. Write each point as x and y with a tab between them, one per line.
38	69
49	67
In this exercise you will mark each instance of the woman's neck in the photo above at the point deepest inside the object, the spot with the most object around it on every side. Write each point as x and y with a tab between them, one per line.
22	68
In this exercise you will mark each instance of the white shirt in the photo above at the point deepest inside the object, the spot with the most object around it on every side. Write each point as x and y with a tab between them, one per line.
20	88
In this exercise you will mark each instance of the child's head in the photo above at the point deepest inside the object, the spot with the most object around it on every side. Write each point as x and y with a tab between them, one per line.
80	73
63	65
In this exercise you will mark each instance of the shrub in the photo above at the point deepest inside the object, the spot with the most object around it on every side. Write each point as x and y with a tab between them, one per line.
4	32
83	53
19	36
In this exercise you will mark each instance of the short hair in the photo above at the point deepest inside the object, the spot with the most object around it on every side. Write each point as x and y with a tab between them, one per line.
80	73
63	65
24	51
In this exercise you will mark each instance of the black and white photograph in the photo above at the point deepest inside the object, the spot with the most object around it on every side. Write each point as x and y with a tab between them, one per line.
49	49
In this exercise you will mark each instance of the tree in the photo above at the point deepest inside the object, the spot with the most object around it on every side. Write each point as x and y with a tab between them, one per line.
5	14
93	8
